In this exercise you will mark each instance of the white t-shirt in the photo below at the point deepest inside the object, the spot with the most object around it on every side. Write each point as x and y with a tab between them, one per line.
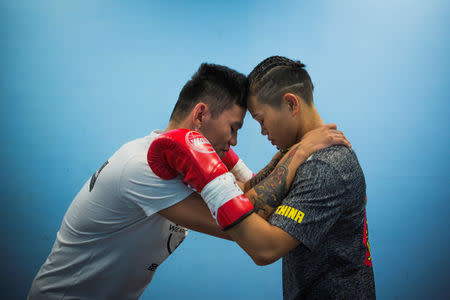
111	239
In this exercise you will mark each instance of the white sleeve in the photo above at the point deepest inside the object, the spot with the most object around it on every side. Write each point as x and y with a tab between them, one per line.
141	186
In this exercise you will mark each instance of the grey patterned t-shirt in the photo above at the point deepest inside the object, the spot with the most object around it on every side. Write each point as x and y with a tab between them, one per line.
325	211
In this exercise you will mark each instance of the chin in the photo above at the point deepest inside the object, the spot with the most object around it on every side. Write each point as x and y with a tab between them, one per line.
284	148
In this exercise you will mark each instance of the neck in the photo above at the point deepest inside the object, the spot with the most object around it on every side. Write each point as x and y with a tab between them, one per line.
310	120
175	125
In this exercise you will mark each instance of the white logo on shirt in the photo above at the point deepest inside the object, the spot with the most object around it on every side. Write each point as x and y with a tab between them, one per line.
178	234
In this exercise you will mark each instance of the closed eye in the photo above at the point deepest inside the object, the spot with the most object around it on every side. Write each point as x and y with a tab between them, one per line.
234	127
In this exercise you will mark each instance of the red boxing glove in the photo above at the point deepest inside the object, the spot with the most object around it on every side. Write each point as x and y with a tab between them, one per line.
189	154
236	166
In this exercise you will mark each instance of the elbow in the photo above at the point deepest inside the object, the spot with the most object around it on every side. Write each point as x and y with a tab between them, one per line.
264	258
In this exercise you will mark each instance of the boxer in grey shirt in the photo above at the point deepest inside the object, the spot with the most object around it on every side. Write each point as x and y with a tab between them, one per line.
324	235
333	260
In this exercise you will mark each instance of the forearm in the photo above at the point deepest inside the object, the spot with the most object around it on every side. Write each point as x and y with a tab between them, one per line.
213	230
193	214
269	193
263	242
261	175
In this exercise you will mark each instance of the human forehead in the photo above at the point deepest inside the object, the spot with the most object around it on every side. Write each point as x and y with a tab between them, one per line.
234	114
255	107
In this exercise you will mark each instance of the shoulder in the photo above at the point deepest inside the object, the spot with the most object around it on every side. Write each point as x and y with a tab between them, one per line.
342	159
334	155
337	160
335	165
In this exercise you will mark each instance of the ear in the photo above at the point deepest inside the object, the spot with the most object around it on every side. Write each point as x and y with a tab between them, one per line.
199	112
292	102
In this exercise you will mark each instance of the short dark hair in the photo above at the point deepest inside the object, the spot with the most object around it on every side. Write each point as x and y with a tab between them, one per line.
218	86
277	75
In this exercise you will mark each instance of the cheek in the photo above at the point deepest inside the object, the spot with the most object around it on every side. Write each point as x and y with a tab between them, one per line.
277	125
217	135
209	134
281	129
223	130
224	134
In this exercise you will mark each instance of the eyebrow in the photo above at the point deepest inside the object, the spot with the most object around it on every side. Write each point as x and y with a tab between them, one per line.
238	124
254	116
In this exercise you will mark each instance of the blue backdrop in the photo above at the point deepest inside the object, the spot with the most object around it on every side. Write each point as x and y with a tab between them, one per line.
80	78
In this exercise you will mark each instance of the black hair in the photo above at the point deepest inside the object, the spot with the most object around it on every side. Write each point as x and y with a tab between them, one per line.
218	86
277	75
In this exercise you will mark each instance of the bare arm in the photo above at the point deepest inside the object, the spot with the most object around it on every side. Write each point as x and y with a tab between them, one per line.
193	213
263	173
263	242
268	193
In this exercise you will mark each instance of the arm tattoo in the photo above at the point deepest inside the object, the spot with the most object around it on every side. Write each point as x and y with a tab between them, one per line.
271	191
262	174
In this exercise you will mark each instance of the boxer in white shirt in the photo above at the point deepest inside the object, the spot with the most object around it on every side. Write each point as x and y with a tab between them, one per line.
126	220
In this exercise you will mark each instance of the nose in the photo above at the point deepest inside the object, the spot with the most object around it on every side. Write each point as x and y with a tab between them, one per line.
233	141
263	130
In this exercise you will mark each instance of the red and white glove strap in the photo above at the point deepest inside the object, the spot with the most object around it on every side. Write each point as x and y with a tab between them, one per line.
220	190
242	172
226	200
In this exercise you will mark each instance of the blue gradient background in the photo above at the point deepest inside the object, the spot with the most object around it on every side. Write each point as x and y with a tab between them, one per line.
80	78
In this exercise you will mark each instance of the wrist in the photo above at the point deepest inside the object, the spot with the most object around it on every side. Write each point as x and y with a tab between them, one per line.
303	152
241	171
219	191
225	200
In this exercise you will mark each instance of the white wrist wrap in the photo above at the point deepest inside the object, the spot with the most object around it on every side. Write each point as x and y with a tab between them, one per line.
219	191
242	172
